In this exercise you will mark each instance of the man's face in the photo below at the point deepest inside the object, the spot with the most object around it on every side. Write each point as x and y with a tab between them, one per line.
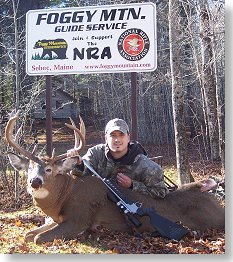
117	142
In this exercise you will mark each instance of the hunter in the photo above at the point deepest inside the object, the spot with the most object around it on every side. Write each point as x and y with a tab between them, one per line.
123	161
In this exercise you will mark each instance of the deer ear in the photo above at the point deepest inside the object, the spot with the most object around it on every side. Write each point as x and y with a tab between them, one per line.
68	164
18	162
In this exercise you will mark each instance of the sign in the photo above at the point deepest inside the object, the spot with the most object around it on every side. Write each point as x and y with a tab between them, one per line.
94	39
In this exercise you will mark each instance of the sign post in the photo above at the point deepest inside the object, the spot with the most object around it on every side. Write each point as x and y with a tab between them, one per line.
48	121
92	39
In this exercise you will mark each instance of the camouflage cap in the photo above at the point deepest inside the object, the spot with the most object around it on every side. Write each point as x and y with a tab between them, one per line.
116	124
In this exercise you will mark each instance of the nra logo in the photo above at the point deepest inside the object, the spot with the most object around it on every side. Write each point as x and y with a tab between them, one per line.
133	44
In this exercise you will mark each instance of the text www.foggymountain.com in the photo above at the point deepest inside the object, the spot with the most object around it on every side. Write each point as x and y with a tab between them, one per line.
116	66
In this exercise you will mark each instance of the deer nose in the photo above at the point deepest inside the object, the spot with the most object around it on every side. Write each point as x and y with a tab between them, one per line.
36	182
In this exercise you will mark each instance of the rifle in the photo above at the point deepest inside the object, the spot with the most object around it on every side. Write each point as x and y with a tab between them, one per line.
164	226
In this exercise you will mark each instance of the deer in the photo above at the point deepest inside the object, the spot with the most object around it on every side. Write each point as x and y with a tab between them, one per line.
76	205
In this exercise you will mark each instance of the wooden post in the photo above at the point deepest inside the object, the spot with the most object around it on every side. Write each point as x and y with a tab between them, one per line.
49	146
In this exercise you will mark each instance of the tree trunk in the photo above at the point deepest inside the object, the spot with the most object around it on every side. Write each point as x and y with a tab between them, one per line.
184	175
209	82
17	83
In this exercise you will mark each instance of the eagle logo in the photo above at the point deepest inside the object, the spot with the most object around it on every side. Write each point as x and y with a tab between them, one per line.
133	44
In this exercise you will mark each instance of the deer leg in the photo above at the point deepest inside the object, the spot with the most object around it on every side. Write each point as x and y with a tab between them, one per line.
30	236
65	230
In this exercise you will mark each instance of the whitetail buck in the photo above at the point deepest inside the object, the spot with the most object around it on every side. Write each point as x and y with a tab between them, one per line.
80	204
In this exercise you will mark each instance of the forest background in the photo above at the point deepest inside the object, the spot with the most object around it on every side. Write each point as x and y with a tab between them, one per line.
181	105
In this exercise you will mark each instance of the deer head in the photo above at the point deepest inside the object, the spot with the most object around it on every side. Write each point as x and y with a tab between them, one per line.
40	169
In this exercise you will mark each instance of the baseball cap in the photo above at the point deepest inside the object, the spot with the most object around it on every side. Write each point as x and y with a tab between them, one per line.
116	124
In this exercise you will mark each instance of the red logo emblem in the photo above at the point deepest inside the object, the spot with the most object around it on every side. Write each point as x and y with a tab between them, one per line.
133	44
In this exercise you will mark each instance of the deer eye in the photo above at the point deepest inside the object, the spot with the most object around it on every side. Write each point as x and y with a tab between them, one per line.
48	170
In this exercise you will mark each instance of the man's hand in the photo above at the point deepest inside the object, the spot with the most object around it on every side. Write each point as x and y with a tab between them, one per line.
124	180
74	153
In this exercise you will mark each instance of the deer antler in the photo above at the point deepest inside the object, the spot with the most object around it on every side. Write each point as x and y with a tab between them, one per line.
82	130
79	135
14	141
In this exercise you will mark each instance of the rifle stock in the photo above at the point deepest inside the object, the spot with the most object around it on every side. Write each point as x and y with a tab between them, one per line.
164	226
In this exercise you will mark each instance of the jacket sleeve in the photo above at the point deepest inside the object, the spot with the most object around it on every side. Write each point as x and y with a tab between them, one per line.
77	170
93	156
151	180
81	170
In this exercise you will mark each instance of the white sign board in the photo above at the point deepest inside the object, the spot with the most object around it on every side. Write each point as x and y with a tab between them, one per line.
94	39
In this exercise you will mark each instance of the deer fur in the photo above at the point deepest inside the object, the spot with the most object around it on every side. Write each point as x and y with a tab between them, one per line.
79	204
